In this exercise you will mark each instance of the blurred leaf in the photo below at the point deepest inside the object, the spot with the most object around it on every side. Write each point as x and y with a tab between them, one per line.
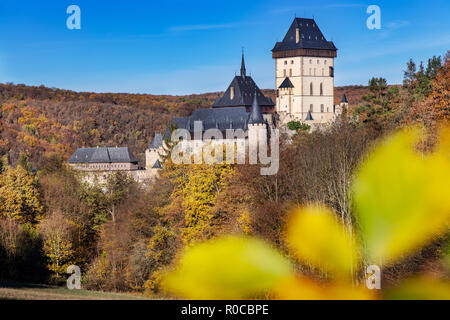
402	197
420	289
317	238
302	288
227	268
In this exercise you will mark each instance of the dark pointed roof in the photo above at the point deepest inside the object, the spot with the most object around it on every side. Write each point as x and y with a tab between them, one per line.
309	116
255	116
310	37
243	71
102	155
244	90
157	165
286	84
344	99
157	141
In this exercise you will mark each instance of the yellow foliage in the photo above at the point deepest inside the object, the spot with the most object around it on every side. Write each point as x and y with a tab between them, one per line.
59	252
402	201
199	193
303	288
228	268
245	222
402	197
19	195
421	288
317	238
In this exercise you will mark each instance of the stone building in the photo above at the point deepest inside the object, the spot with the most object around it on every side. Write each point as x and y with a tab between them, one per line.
98	163
242	108
304	74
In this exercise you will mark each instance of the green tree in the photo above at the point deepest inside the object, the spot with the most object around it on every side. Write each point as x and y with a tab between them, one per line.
409	75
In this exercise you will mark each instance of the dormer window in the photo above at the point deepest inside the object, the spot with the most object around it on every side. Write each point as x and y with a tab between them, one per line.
232	93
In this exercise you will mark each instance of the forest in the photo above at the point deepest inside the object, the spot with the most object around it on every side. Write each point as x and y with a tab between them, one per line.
128	237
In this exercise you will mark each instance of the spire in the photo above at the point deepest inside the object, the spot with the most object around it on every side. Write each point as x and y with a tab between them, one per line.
309	116
243	71
255	116
344	99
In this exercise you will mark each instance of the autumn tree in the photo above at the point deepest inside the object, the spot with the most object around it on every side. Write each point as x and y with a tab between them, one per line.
57	243
19	195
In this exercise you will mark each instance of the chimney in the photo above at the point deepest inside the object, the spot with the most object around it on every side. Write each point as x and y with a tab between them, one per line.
297	35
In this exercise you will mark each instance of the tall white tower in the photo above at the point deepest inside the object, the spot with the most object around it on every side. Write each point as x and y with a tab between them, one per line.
304	74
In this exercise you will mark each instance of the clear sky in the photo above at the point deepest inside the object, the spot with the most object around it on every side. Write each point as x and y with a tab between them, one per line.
182	47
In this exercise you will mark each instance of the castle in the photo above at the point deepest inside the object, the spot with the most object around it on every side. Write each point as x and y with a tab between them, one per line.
304	78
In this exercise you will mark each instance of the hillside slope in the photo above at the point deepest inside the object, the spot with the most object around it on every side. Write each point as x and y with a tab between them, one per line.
42	122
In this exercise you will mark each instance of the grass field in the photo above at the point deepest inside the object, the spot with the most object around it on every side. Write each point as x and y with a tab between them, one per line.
25	291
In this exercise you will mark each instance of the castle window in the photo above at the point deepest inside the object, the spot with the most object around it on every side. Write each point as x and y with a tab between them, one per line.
325	61
321	108
328	109
331	72
321	89
311	89
311	107
290	72
292	61
318	61
310	61
285	62
284	73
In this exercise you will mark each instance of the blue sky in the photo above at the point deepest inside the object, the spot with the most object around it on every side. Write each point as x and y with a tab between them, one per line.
182	47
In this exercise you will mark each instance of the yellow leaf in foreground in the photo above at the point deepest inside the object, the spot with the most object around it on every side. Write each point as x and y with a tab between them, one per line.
318	239
402	198
302	288
227	268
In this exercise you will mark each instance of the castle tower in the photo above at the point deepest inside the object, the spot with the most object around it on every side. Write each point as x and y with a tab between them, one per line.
304	73
257	129
152	157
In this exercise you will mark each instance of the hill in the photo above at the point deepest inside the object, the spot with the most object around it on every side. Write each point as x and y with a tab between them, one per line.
42	122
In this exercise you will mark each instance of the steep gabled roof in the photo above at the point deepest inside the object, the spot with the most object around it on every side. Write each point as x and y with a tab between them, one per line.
255	116
344	99
286	84
102	155
157	165
309	116
244	90
310	37
157	141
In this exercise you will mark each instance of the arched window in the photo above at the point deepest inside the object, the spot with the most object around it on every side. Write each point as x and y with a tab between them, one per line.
311	89
321	89
321	108
290	72
311	107
284	73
